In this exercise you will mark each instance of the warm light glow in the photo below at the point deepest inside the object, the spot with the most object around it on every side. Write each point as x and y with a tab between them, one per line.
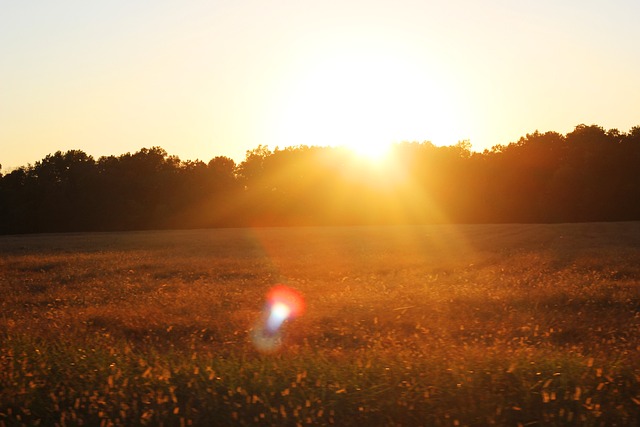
375	153
366	98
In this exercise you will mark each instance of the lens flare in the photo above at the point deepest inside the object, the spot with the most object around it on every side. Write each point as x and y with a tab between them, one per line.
282	303
279	313
287	297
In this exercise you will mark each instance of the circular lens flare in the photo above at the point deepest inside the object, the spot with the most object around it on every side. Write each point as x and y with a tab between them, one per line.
285	296
282	303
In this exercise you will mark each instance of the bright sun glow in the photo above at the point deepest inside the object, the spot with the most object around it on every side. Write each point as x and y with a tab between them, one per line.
373	152
366	100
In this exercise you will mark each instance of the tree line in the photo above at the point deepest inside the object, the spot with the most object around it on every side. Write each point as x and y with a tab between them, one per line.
589	174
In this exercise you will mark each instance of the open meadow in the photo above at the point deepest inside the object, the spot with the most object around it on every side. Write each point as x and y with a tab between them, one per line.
436	325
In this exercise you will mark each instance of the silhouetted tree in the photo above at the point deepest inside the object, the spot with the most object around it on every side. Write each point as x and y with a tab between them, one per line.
16	202
62	191
589	174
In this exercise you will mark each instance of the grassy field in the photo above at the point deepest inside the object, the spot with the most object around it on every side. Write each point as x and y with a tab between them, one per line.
436	325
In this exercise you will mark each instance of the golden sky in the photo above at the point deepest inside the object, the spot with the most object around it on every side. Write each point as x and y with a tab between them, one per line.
203	78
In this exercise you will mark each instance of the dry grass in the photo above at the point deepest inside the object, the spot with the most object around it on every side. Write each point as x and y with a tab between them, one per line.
434	325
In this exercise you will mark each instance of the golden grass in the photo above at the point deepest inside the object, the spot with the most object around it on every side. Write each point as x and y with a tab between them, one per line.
429	325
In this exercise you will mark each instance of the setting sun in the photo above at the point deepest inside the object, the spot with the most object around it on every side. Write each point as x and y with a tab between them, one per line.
372	152
366	98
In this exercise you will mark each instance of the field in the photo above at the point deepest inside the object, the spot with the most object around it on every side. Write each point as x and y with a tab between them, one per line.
432	325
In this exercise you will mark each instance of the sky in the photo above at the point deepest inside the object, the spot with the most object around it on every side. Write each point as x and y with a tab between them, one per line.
206	78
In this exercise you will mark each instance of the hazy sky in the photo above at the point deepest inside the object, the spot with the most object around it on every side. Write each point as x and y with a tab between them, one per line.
207	78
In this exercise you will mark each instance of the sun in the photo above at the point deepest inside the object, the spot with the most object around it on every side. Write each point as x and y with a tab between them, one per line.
370	151
365	100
